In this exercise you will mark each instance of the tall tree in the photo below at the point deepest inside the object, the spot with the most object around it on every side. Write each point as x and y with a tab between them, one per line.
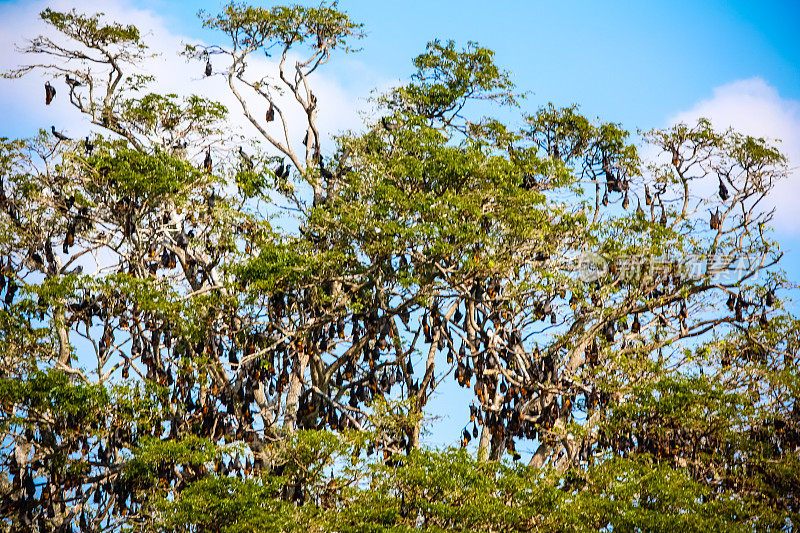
187	323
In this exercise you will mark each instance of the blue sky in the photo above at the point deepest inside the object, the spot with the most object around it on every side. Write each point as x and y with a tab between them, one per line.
643	64
638	63
634	62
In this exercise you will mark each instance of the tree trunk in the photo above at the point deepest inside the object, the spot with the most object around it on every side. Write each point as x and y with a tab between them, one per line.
64	348
293	394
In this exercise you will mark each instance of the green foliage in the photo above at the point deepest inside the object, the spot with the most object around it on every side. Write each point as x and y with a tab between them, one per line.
132	173
254	27
51	394
90	31
449	490
231	505
196	336
152	456
154	112
446	78
252	183
277	266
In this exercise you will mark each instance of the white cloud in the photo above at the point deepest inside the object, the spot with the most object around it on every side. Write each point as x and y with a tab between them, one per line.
755	108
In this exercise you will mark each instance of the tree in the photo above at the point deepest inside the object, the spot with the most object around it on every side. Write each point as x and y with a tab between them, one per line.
197	337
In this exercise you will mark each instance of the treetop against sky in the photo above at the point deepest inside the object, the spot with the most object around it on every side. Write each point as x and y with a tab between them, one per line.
646	65
255	276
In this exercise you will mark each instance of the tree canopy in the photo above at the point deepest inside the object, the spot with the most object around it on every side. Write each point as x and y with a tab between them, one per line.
199	334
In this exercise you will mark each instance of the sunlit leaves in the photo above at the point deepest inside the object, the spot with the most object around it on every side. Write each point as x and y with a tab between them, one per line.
446	78
254	27
90	30
154	112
